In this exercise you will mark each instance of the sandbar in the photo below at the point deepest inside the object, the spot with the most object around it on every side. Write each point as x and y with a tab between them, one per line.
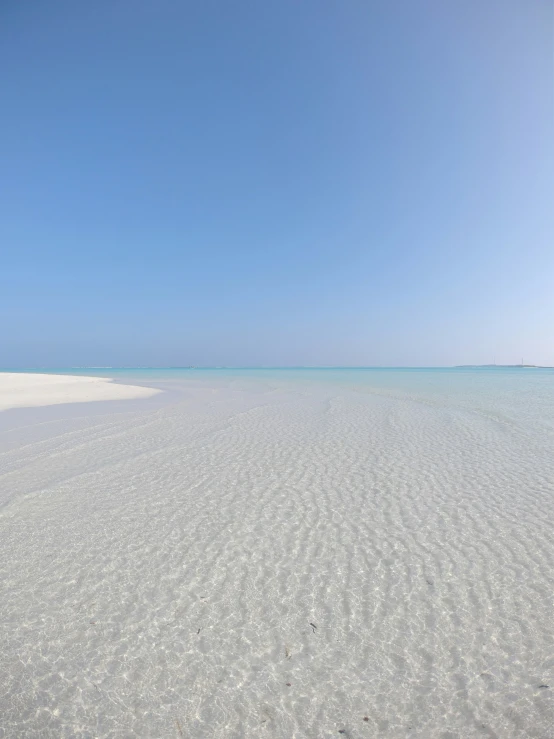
28	390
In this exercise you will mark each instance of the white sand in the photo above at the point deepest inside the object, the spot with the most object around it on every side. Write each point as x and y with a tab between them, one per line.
160	572
24	390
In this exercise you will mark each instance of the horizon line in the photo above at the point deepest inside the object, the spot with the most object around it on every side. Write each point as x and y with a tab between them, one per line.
270	367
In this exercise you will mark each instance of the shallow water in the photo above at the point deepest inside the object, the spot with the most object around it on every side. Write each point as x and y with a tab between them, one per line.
283	553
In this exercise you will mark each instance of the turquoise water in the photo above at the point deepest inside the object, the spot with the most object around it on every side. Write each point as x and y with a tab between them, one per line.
407	377
516	395
516	391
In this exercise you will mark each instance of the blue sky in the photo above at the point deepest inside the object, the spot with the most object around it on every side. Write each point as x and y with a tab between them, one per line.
276	183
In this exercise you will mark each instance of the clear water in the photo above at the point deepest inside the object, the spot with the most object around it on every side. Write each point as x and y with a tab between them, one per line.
162	562
522	396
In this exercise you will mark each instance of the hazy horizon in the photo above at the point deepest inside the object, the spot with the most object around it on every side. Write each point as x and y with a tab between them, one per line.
68	368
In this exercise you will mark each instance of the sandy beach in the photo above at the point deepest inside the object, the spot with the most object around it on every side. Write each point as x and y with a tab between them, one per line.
31	390
266	557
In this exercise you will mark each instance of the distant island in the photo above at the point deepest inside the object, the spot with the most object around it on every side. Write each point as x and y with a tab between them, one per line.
502	366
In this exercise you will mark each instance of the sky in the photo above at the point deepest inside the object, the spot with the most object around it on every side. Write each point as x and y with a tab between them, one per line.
301	182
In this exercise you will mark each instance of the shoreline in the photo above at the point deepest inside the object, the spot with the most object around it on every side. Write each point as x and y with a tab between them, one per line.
33	390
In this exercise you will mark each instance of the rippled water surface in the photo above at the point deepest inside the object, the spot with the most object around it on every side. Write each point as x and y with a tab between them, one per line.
282	553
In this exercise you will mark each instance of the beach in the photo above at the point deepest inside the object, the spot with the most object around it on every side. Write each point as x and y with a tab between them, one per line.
280	554
31	390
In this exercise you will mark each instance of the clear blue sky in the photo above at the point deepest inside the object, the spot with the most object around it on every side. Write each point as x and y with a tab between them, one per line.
276	183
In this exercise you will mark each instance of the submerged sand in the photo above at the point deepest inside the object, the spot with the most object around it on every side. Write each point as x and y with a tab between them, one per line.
279	561
24	390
